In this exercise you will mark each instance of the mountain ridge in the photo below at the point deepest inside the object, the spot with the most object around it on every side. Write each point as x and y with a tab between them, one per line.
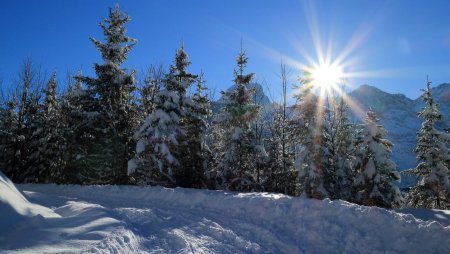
397	113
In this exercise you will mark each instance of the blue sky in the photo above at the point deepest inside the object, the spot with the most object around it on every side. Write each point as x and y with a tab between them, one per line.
392	45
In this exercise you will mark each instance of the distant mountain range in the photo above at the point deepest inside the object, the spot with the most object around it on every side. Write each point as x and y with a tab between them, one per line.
397	113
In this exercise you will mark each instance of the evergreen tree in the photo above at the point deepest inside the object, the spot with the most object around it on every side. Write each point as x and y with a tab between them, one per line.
32	171
197	154
26	145
148	92
52	138
110	109
433	188
343	152
237	165
282	174
313	159
74	128
375	170
162	139
9	139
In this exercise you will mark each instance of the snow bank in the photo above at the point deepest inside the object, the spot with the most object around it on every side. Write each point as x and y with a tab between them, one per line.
198	221
440	216
15	208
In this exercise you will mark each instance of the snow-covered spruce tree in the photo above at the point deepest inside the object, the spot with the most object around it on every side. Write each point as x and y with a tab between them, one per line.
27	149
196	156
75	126
162	141
52	137
9	139
282	176
433	188
43	139
375	170
237	165
111	112
32	132
313	159
21	132
148	90
343	158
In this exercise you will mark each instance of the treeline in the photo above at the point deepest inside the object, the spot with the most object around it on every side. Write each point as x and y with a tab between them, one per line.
107	130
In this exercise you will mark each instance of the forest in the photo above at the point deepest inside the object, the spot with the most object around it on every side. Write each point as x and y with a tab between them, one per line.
112	129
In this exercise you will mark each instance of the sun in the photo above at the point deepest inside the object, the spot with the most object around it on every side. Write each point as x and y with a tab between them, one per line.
326	77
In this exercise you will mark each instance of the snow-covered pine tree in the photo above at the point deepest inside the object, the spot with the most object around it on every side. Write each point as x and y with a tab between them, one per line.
147	92
74	127
161	140
313	159
343	152
31	157
237	165
375	170
32	171
52	138
111	110
9	139
18	163
196	156
433	188
28	108
282	176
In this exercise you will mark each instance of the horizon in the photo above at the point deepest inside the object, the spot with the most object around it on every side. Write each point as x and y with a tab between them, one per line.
391	46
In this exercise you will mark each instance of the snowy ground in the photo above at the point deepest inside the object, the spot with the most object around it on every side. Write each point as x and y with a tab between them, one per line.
130	219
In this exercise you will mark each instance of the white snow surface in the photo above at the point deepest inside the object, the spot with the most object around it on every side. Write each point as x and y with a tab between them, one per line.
15	208
133	219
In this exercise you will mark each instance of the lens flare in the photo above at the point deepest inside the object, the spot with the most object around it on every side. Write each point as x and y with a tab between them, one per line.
326	76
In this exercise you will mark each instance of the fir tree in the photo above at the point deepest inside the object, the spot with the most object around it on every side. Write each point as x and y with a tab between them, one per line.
26	144
433	188
150	88
75	129
110	108
237	165
313	159
342	151
196	156
52	140
282	174
375	170
9	139
33	171
162	139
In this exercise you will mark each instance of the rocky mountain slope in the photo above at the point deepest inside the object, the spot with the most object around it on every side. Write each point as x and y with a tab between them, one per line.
398	114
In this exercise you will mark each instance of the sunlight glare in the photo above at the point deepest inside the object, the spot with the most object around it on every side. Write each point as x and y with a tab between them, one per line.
326	76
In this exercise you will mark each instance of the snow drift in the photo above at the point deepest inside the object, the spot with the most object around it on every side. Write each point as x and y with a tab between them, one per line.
15	208
136	219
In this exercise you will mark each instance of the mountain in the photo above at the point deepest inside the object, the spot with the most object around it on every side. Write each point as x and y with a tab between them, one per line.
398	114
259	97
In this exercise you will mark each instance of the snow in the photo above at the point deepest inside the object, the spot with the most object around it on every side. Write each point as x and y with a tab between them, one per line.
15	210
134	219
440	216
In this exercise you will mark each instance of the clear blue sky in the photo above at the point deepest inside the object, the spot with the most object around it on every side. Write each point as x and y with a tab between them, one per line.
395	44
